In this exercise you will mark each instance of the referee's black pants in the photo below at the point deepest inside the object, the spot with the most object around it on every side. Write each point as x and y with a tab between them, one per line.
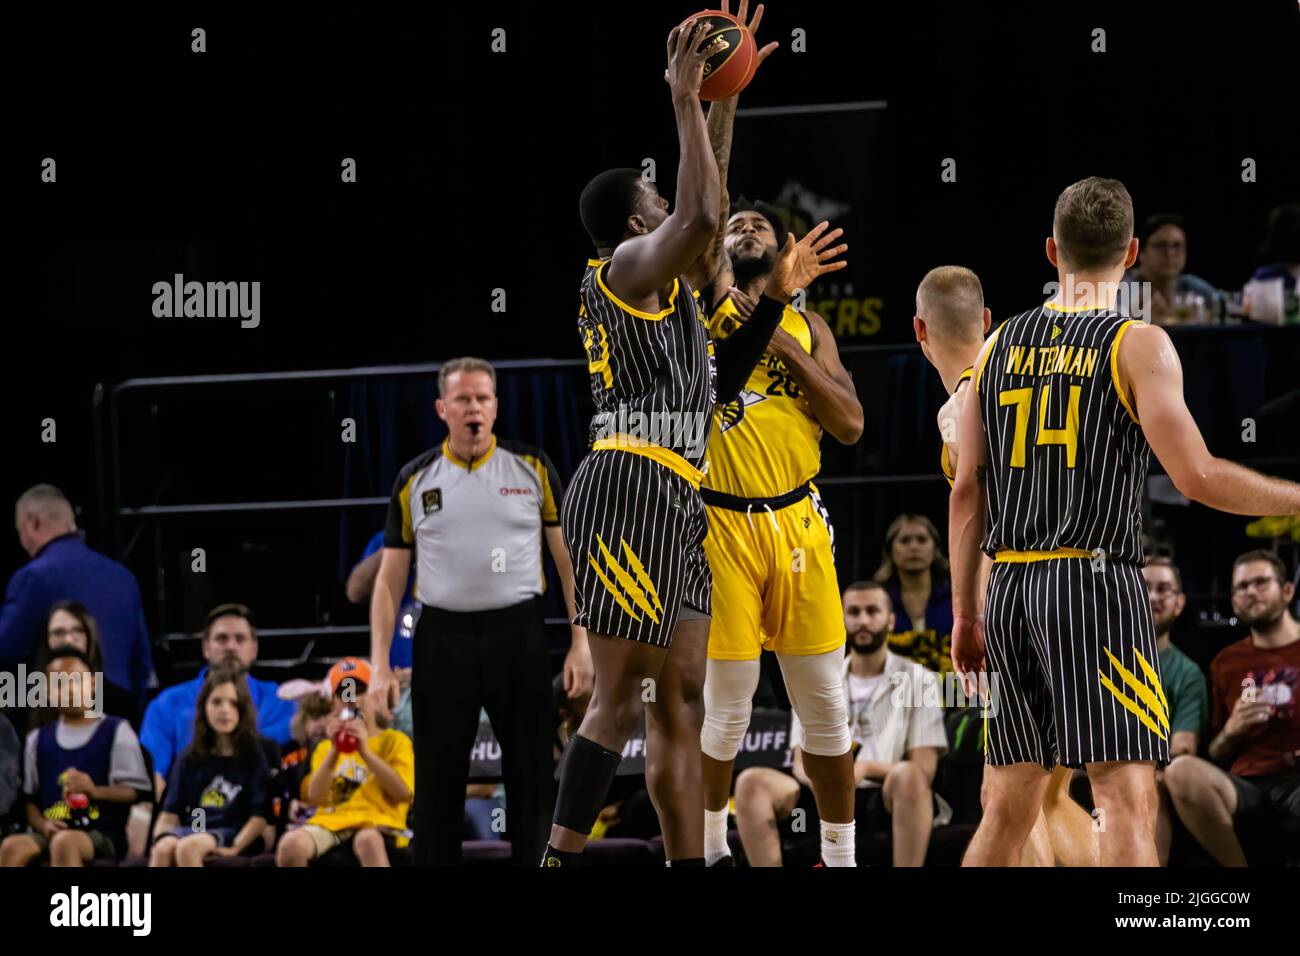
498	660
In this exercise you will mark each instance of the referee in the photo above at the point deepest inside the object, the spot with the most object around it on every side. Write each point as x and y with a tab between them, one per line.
474	511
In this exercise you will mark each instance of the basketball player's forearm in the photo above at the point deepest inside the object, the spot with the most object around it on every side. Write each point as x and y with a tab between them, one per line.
738	353
1226	486
834	403
697	171
965	520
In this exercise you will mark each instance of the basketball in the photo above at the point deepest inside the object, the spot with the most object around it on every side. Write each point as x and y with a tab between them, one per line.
728	71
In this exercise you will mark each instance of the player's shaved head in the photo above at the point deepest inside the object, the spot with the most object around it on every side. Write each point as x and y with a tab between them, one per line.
607	202
950	300
1093	223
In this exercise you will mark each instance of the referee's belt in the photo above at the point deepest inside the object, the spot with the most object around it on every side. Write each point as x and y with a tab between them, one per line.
656	453
720	499
1024	557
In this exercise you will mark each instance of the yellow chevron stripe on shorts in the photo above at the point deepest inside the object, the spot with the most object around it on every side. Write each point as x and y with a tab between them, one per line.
1148	691
628	585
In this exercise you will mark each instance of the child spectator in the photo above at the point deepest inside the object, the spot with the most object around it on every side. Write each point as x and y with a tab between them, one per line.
217	796
361	780
82	773
308	728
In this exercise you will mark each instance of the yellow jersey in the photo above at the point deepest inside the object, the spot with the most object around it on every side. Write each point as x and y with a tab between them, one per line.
766	441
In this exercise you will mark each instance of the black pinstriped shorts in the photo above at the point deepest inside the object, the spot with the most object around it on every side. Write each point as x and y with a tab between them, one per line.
1072	665
635	530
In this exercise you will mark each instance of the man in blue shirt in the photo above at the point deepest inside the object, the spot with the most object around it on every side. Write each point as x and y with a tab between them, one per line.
63	567
168	727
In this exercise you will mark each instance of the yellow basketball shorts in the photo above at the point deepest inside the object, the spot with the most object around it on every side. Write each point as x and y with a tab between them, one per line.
774	582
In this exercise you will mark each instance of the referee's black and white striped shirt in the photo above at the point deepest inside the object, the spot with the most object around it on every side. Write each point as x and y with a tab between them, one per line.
1067	459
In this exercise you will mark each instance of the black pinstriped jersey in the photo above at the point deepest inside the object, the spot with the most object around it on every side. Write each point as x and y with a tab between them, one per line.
1067	459
652	373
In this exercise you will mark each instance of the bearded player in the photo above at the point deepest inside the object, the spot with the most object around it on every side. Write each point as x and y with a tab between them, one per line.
770	542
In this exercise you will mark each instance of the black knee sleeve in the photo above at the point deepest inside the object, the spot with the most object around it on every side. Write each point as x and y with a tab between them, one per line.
585	780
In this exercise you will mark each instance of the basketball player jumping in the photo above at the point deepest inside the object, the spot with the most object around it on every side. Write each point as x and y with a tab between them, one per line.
632	517
950	324
1067	401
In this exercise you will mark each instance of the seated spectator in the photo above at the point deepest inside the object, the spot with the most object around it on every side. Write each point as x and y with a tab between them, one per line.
229	636
82	773
361	780
70	623
11	776
308	728
63	568
1177	297
217	800
898	740
1281	249
915	573
1251	779
1182	680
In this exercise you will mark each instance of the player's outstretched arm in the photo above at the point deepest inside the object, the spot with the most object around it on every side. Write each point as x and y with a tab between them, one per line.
823	379
1151	371
712	270
644	264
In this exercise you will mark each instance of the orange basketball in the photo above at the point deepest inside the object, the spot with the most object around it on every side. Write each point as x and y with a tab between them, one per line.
728	71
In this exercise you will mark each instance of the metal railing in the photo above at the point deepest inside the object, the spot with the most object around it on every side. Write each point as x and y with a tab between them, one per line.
112	515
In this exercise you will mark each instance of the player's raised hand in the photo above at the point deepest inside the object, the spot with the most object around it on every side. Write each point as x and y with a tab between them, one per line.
968	651
802	262
686	56
752	26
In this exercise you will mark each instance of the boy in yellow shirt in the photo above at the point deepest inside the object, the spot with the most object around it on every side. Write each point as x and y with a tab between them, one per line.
361	781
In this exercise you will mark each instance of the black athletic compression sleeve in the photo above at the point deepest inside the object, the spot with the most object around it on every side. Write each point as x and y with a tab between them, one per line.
738	353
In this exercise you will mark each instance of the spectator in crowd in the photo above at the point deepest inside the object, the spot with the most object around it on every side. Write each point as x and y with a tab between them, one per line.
11	776
229	636
313	714
1182	681
1281	249
915	573
62	567
70	623
217	800
898	737
1177	296
1251	779
81	774
361	780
